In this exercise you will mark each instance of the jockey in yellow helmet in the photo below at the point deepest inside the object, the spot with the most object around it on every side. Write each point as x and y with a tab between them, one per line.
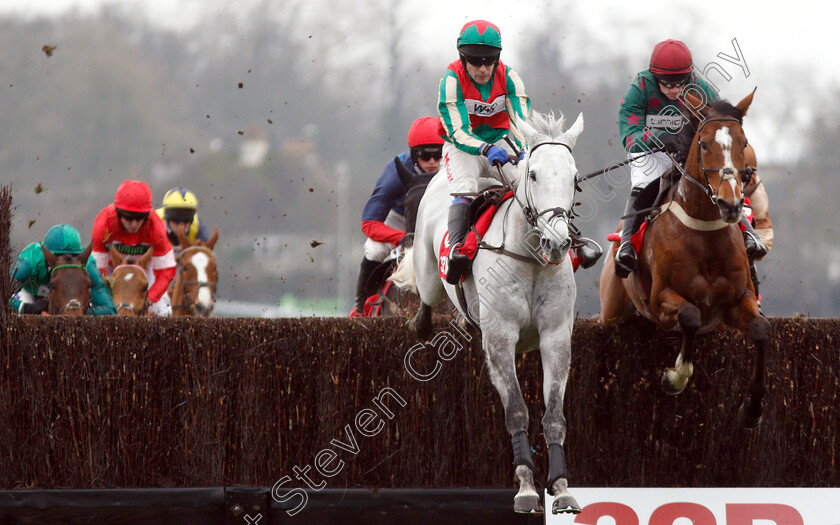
179	212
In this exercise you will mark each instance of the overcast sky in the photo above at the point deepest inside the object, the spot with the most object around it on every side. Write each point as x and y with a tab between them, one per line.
773	36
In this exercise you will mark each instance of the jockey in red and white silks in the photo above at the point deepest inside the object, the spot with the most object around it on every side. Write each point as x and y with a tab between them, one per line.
130	225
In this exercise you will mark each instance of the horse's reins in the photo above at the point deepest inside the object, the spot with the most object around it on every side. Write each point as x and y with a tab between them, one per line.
201	284
130	306
72	304
531	215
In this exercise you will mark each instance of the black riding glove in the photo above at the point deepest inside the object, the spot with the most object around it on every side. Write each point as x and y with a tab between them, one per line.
670	143
37	307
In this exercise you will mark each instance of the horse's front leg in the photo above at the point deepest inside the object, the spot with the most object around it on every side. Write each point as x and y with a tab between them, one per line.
556	354
673	310
499	347
747	317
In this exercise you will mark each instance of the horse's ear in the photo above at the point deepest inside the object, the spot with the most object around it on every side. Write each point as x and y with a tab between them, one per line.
695	105
215	237
183	241
527	130
744	105
406	177
571	135
85	255
116	257
49	256
143	262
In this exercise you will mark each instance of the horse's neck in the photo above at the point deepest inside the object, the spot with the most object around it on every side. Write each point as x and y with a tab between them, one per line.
694	200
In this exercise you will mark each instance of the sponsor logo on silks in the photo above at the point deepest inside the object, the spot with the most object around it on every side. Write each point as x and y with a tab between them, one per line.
124	249
664	121
485	109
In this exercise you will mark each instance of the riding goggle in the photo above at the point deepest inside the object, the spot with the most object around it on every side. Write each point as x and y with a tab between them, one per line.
430	153
670	84
481	61
132	216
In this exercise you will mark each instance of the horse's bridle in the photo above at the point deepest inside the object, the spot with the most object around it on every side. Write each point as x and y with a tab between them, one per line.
706	186
201	284
531	214
72	304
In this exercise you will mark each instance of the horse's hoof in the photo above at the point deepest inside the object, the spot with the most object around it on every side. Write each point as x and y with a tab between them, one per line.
746	419
565	504
529	504
672	383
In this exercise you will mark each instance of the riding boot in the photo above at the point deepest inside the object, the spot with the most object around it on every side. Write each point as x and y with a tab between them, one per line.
458	263
365	286
755	281
625	258
588	251
755	247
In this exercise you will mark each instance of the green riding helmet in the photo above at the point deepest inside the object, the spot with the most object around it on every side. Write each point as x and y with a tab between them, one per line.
480	38
63	238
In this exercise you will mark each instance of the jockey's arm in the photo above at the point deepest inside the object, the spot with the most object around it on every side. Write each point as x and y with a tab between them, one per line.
517	102
388	190
101	302
635	136
761	210
454	116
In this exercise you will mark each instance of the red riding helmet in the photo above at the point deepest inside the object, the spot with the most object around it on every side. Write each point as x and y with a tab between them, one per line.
425	131
670	57
134	196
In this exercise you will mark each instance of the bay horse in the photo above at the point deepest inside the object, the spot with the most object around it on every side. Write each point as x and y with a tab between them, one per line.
194	287
692	264
129	283
522	294
70	284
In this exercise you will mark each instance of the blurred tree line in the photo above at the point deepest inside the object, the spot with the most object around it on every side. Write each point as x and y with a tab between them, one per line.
281	123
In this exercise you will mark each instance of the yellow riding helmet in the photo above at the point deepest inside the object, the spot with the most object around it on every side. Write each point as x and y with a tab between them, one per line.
180	198
179	204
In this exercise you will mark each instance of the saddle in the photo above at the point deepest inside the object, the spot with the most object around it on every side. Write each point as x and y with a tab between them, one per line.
480	215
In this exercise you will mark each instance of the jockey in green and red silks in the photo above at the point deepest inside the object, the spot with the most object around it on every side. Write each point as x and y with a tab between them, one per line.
650	118
478	98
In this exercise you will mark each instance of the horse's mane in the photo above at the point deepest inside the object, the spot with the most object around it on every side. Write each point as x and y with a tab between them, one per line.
719	108
547	126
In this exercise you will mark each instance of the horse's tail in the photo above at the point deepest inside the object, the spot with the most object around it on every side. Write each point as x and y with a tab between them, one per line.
403	276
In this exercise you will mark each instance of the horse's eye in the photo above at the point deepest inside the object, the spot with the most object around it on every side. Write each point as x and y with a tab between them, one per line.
703	146
533	175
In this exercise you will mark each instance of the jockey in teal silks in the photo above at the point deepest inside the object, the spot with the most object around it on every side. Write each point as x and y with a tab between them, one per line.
649	119
478	101
33	277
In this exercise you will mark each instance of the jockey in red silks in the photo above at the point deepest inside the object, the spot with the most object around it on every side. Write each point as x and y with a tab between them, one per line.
383	219
130	225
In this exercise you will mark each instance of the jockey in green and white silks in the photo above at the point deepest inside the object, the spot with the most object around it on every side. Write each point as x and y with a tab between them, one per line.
33	277
478	97
650	117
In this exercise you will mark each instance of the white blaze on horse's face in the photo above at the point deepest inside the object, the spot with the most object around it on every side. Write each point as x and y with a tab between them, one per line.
128	277
723	138
200	261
